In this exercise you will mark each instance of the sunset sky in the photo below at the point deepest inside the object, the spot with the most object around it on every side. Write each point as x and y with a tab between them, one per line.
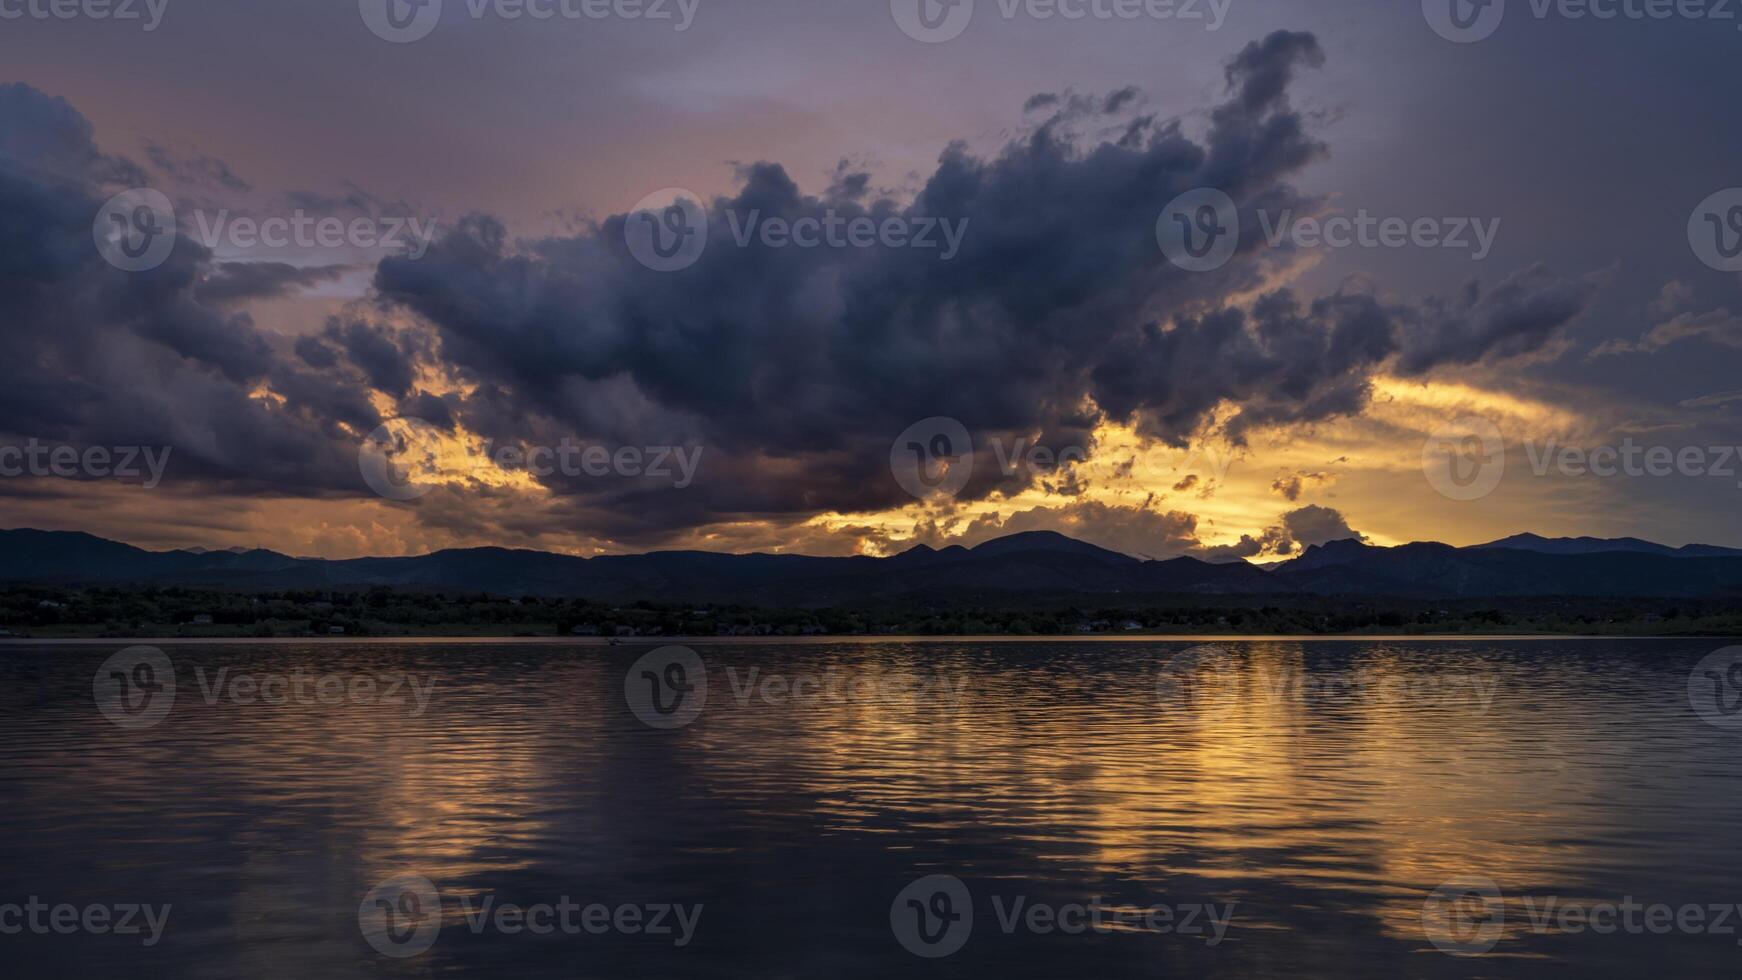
1282	399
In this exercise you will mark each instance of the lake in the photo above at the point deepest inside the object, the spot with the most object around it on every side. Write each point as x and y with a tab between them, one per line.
1229	808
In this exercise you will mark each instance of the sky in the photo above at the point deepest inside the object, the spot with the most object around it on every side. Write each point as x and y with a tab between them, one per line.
1217	279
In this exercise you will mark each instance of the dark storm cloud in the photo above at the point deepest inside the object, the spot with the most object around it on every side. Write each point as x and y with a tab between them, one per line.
92	355
387	359
239	282
195	171
797	367
794	368
352	199
1261	72
1292	485
315	352
1284	362
1281	362
1117	101
1718	327
1517	317
430	408
1313	524
1271	541
1300	529
46	138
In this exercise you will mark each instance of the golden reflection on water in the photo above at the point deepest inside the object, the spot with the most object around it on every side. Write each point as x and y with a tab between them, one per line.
1379	777
461	794
1341	780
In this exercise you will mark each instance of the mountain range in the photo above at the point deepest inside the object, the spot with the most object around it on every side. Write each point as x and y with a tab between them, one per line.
1041	563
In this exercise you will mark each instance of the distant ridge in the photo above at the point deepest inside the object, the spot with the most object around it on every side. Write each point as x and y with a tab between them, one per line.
1040	563
1588	546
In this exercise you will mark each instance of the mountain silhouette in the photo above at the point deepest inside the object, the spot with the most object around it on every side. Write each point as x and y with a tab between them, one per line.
1041	563
1587	546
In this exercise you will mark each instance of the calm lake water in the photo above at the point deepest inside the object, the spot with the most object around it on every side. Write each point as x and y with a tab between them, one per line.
842	809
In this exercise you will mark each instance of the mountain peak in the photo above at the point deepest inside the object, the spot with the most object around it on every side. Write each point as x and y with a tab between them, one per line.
1042	541
1338	552
1519	540
1032	538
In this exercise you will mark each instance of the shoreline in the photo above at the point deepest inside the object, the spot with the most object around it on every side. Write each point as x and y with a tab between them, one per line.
657	641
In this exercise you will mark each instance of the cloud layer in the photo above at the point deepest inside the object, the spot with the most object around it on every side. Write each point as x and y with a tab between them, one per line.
793	367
